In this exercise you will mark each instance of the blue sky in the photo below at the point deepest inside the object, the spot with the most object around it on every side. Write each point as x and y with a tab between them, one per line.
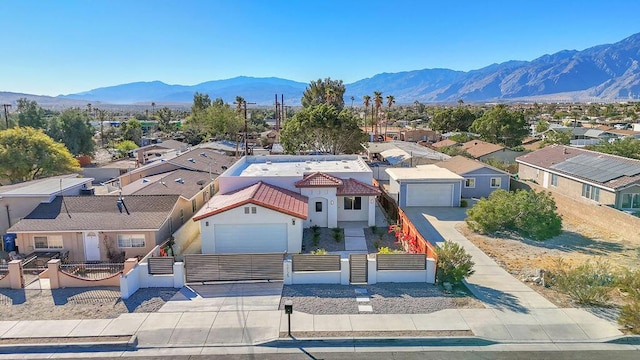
65	46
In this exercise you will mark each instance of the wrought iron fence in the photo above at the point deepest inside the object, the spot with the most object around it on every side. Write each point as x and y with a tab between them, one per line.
92	271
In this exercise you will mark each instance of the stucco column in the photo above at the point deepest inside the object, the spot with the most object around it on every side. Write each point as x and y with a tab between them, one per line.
129	264
431	271
372	269
287	267
344	271
178	275
15	274
53	270
372	210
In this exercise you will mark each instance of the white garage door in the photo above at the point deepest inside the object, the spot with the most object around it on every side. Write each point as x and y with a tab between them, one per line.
429	195
251	239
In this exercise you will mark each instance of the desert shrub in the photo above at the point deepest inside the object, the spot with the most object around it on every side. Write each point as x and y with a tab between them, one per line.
454	264
316	229
337	234
528	213
630	316
589	283
464	203
315	238
319	252
629	282
386	250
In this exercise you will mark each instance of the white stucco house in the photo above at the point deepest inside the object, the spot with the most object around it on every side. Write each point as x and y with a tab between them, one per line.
264	202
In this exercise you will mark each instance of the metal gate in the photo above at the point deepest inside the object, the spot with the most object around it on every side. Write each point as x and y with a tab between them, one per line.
358	268
231	267
31	269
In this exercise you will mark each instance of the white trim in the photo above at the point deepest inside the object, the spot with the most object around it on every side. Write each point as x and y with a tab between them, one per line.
499	183
568	177
75	231
470	187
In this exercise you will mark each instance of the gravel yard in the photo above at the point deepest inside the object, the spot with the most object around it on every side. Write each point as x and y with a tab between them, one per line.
78	303
388	298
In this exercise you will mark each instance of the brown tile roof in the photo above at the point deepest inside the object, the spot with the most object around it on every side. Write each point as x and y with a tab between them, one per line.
352	187
443	143
318	179
462	165
265	195
78	213
478	148
552	155
182	182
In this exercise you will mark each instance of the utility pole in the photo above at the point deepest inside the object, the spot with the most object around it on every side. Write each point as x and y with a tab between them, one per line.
246	131
6	114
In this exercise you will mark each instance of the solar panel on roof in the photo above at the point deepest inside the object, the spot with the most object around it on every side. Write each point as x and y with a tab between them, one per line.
600	168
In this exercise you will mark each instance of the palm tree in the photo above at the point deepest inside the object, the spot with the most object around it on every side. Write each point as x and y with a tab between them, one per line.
352	98
390	101
377	100
153	106
366	100
239	104
460	102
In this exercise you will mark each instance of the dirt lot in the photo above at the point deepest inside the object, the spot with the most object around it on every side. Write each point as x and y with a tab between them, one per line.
80	303
375	237
578	244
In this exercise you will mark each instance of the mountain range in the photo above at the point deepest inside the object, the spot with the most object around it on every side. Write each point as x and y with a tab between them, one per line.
600	73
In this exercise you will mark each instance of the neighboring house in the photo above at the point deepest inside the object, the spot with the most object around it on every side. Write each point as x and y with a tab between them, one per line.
18	200
416	135
587	175
480	179
400	154
197	159
443	143
195	189
482	150
425	185
93	227
265	193
144	153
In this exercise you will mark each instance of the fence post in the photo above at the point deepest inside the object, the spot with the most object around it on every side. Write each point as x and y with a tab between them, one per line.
15	274
431	271
287	267
53	266
178	275
372	269
344	271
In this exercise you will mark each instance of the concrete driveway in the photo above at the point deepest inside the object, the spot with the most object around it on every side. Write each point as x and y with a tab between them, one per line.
236	296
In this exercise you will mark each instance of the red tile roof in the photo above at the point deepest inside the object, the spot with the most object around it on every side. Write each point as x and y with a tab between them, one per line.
265	195
352	187
318	179
443	143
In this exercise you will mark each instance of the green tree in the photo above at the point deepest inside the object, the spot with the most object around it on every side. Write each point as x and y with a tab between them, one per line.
458	119
528	213
30	114
454	263
27	153
628	147
542	126
200	102
501	126
132	130
72	128
377	104
557	137
164	118
322	129
454	150
124	147
366	100
325	91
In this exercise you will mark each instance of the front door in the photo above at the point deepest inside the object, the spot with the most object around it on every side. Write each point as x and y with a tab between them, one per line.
91	246
318	212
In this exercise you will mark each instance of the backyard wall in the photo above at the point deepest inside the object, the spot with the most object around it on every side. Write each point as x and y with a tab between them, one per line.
139	277
601	217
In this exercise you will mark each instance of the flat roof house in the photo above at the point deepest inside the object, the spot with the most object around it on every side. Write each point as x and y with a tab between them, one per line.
268	200
584	175
18	200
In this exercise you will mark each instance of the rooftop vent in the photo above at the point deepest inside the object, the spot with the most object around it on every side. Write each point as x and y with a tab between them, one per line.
191	160
179	180
268	162
144	181
203	154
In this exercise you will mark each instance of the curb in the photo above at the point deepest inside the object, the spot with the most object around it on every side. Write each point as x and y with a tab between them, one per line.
130	344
